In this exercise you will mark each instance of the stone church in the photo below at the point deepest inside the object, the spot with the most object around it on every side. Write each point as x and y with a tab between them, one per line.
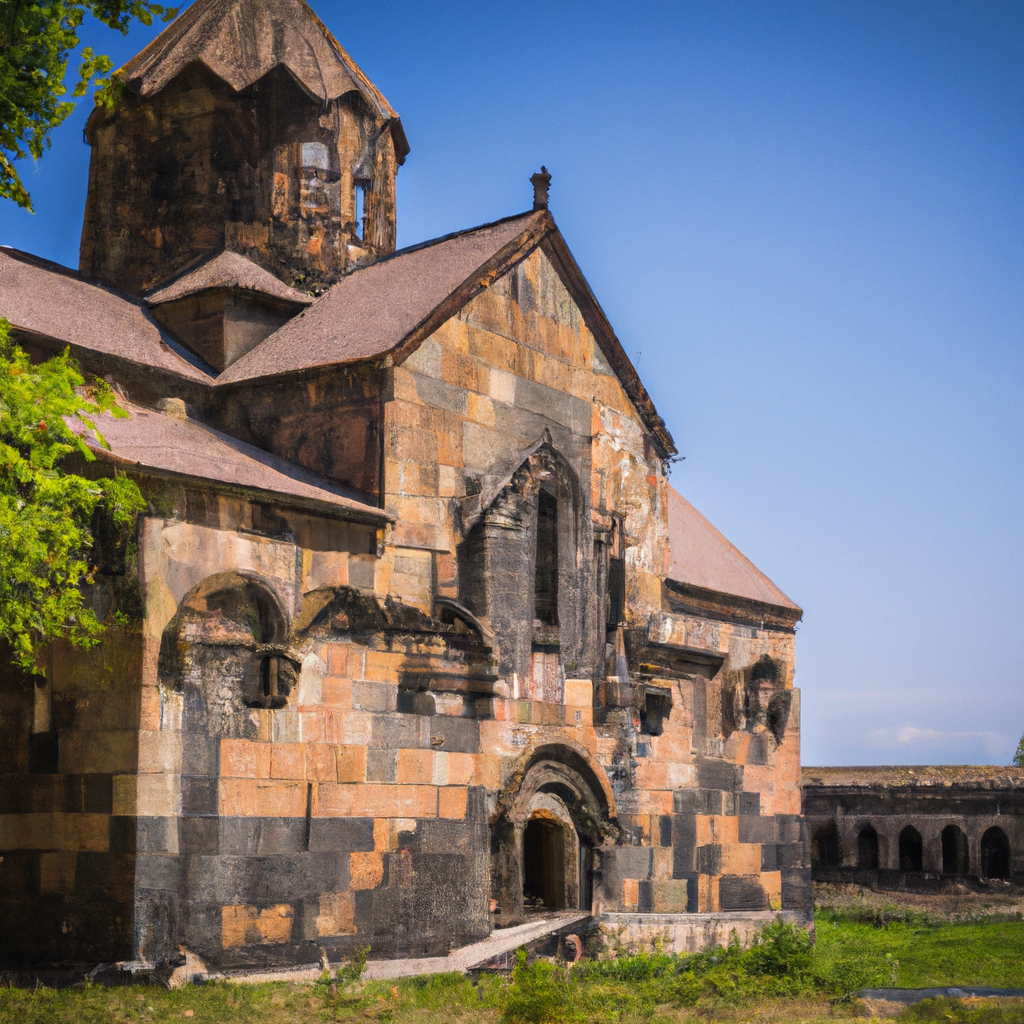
415	641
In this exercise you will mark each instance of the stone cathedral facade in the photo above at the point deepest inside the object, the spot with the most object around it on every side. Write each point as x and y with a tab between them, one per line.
415	639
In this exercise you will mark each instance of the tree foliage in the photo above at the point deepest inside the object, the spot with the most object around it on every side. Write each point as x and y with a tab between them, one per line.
46	512
37	38
1018	758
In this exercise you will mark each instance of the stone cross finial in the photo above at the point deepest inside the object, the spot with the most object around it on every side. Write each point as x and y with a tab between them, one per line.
541	182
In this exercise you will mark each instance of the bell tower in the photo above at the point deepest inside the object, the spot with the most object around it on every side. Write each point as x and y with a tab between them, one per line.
243	127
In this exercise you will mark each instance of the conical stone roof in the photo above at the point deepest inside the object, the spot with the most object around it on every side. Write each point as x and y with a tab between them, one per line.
240	41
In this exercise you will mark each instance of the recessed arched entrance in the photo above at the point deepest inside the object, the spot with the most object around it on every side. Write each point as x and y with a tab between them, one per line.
867	849
911	850
544	864
558	810
995	853
955	856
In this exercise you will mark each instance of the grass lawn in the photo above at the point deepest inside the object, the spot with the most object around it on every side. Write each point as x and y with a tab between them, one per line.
781	982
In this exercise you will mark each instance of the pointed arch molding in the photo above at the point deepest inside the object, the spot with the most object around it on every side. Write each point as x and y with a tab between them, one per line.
501	475
565	760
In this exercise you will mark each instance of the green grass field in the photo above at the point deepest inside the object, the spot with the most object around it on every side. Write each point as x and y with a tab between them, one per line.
783	979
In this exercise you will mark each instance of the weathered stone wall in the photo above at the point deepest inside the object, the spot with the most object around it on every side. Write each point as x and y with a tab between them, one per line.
267	172
329	424
894	827
329	736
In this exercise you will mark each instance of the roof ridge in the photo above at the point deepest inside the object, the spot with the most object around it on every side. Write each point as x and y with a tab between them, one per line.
418	246
159	293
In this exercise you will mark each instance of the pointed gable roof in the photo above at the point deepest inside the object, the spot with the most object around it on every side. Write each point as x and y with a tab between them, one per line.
167	446
53	302
240	41
703	558
226	270
391	306
374	310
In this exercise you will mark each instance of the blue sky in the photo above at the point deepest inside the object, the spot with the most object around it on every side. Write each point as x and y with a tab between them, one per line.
806	222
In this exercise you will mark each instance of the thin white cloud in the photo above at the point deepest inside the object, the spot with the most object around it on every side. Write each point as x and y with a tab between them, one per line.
913	735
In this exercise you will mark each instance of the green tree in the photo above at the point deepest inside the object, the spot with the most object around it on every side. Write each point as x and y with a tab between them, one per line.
37	38
1018	758
46	512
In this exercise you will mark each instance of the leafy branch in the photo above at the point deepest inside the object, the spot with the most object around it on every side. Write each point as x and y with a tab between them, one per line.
36	42
45	511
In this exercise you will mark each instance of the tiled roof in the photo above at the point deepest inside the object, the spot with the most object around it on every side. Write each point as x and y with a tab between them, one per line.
240	41
226	270
986	776
166	445
702	557
373	310
49	300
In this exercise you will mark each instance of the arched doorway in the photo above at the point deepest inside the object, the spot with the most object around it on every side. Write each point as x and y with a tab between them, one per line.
825	852
558	810
544	863
995	853
867	849
955	858
911	850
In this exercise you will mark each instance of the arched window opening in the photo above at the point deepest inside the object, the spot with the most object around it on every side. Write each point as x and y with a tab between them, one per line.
955	858
657	706
911	850
276	677
615	600
362	190
825	851
543	865
545	585
867	849
995	854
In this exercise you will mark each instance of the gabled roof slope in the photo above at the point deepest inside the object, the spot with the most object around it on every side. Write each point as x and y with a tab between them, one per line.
48	300
226	270
393	305
702	557
169	446
240	41
373	311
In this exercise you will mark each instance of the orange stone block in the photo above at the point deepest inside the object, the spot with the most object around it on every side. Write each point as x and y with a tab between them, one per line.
366	870
149	718
332	800
255	926
373	800
416	767
337	659
336	692
741	859
630	892
312	727
321	762
351	763
451	802
382	666
287	761
244	759
280	799
236	798
337	914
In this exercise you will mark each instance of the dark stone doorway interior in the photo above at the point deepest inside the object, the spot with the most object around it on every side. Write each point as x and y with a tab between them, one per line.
955	857
543	865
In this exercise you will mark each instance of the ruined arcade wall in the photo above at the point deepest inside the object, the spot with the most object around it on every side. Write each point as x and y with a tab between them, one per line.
856	818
